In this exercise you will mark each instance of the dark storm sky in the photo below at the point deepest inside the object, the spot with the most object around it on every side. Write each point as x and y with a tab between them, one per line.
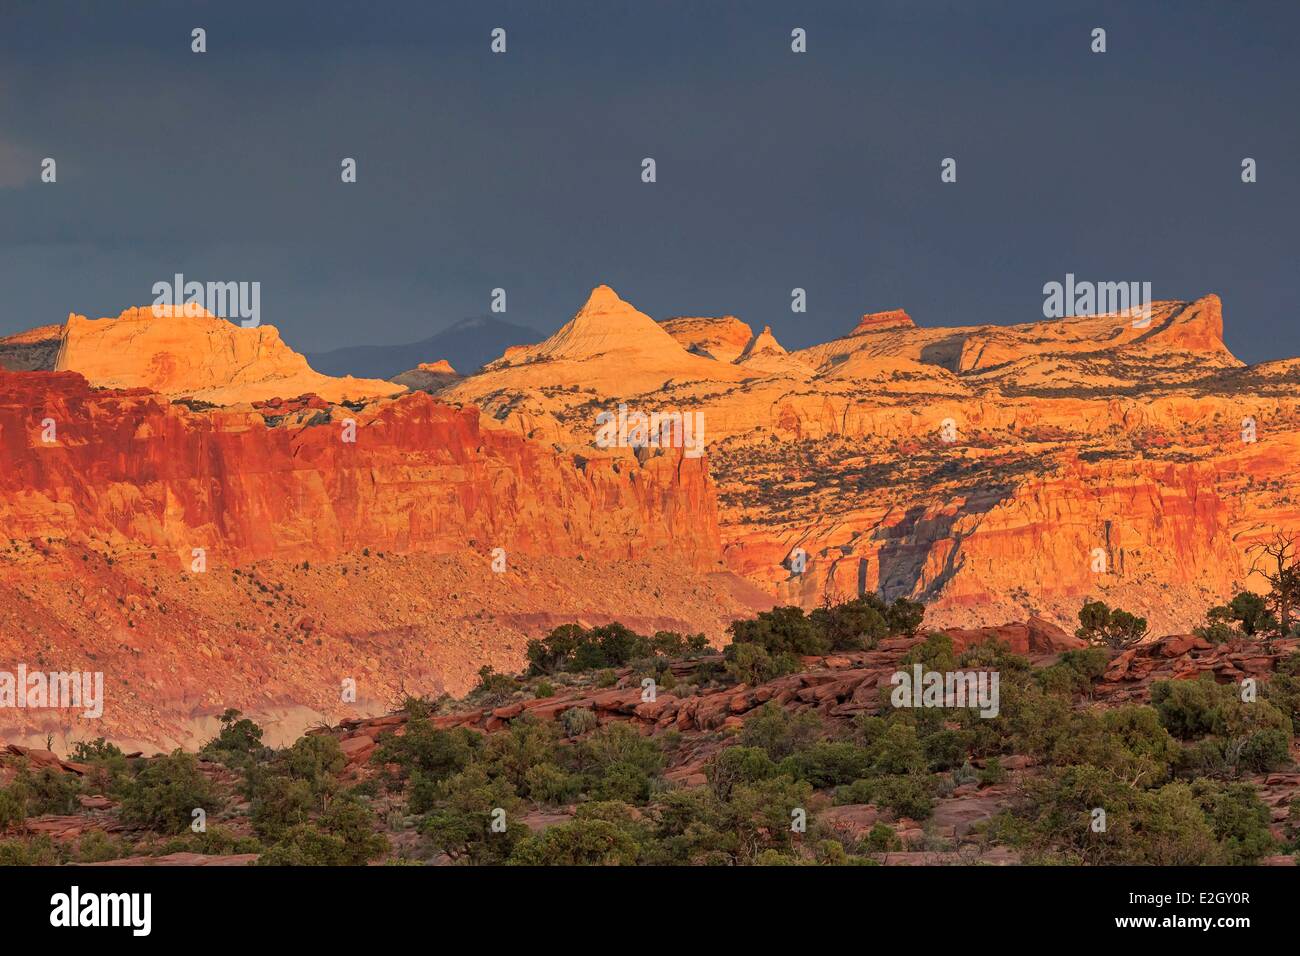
775	170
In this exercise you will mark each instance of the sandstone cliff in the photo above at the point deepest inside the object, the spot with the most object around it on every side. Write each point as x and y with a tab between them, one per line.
986	469
284	480
198	356
317	558
997	472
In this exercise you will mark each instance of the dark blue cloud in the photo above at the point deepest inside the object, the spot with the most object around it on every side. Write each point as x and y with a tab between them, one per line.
775	170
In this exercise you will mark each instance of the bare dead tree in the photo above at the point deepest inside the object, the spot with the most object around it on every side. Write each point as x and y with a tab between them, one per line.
1277	562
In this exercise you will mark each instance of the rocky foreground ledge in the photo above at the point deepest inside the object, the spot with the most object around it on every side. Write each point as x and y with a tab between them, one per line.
838	687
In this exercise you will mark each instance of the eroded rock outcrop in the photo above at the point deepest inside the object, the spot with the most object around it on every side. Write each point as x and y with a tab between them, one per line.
723	338
993	471
428	376
200	356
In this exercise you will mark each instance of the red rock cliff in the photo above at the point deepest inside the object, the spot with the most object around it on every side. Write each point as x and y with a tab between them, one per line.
279	480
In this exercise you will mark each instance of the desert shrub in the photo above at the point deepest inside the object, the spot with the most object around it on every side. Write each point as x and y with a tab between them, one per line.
947	748
417	706
30	851
859	791
850	629
351	820
1239	819
1075	671
907	795
572	647
828	763
1265	750
435	753
610	645
881	838
96	846
1176	824
109	769
165	793
694	826
13	807
1248	736
549	784
461	823
892	745
1099	624
994	654
280	803
992	772
620	763
47	791
1129	742
317	759
1216	632
553	653
578	843
87	751
859	624
297	782
1246	614
214	841
1283	688
672	644
779	733
493	689
737	765
624	782
904	616
1139	731
752	664
964	776
238	741
305	845
577	721
782	630
1158	827
935	653
509	755
1193	708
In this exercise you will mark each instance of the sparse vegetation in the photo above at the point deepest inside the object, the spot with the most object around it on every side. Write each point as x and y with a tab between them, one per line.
1176	777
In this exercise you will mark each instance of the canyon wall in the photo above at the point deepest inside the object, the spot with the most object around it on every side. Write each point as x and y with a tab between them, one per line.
280	480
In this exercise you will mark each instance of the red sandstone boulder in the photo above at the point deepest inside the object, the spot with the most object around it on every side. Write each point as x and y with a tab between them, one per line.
1035	636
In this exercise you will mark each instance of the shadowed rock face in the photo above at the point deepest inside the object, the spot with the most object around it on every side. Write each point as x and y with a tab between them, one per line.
35	350
428	376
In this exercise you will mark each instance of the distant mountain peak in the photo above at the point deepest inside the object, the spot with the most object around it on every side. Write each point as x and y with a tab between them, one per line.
468	344
606	323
